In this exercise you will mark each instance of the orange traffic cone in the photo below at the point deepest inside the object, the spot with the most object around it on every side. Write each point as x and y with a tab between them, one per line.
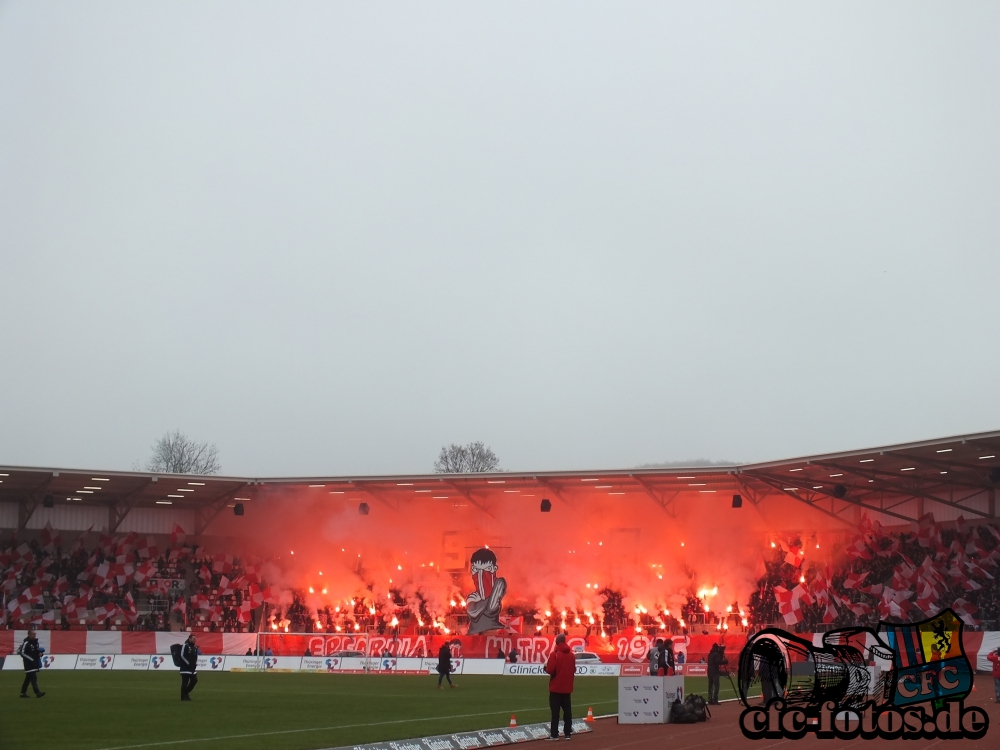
513	721
590	714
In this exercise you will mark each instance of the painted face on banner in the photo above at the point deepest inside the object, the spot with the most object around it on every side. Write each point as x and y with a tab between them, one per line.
485	603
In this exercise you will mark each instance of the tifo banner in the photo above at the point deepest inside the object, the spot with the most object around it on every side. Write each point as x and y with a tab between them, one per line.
533	649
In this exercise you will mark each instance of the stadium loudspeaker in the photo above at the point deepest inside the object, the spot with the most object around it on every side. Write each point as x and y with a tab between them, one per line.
238	509
995	475
737	501
839	490
363	509
546	506
48	502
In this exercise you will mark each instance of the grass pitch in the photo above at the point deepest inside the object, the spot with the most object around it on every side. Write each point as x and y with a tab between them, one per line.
247	711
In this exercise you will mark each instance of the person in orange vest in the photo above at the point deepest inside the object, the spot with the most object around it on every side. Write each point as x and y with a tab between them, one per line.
994	658
561	668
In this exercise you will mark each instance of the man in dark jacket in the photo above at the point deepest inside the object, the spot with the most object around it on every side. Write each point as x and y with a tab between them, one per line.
31	655
189	667
716	659
666	658
561	668
444	664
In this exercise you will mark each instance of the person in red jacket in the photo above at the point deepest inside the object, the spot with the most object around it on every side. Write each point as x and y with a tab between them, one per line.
561	668
994	657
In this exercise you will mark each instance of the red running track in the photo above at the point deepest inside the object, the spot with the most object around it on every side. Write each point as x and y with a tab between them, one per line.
722	731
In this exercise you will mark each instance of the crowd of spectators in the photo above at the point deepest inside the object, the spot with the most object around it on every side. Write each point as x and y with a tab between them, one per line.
127	583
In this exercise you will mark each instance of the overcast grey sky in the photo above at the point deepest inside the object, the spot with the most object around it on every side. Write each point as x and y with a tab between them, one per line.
331	237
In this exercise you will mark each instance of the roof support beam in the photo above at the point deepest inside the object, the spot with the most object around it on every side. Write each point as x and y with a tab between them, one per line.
205	515
468	496
778	484
122	506
660	499
902	489
376	495
29	503
751	494
552	490
934	463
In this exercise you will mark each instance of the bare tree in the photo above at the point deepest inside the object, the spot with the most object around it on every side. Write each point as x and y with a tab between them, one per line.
175	453
474	458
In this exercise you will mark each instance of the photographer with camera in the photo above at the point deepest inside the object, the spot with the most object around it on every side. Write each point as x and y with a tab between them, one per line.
31	655
716	660
994	658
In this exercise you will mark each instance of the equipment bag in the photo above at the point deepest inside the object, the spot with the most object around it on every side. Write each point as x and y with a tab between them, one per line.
681	713
175	652
698	707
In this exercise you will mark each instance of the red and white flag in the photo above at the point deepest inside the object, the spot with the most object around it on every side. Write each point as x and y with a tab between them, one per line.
50	540
854	580
130	609
789	604
222	563
177	536
79	543
146	548
967	612
60	587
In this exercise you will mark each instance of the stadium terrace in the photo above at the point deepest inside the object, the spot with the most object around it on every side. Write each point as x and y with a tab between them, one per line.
116	562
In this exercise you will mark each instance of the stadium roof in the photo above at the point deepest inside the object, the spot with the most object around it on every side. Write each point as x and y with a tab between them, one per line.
958	475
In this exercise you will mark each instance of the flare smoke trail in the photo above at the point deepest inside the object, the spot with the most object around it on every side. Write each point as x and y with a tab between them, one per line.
552	561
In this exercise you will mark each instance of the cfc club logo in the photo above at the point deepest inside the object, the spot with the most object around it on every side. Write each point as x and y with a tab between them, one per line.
905	681
155	662
484	604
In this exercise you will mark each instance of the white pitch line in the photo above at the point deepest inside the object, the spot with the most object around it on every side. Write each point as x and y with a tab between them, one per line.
325	729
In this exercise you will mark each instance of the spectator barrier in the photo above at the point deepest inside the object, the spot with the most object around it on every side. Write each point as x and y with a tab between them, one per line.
62	646
318	665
